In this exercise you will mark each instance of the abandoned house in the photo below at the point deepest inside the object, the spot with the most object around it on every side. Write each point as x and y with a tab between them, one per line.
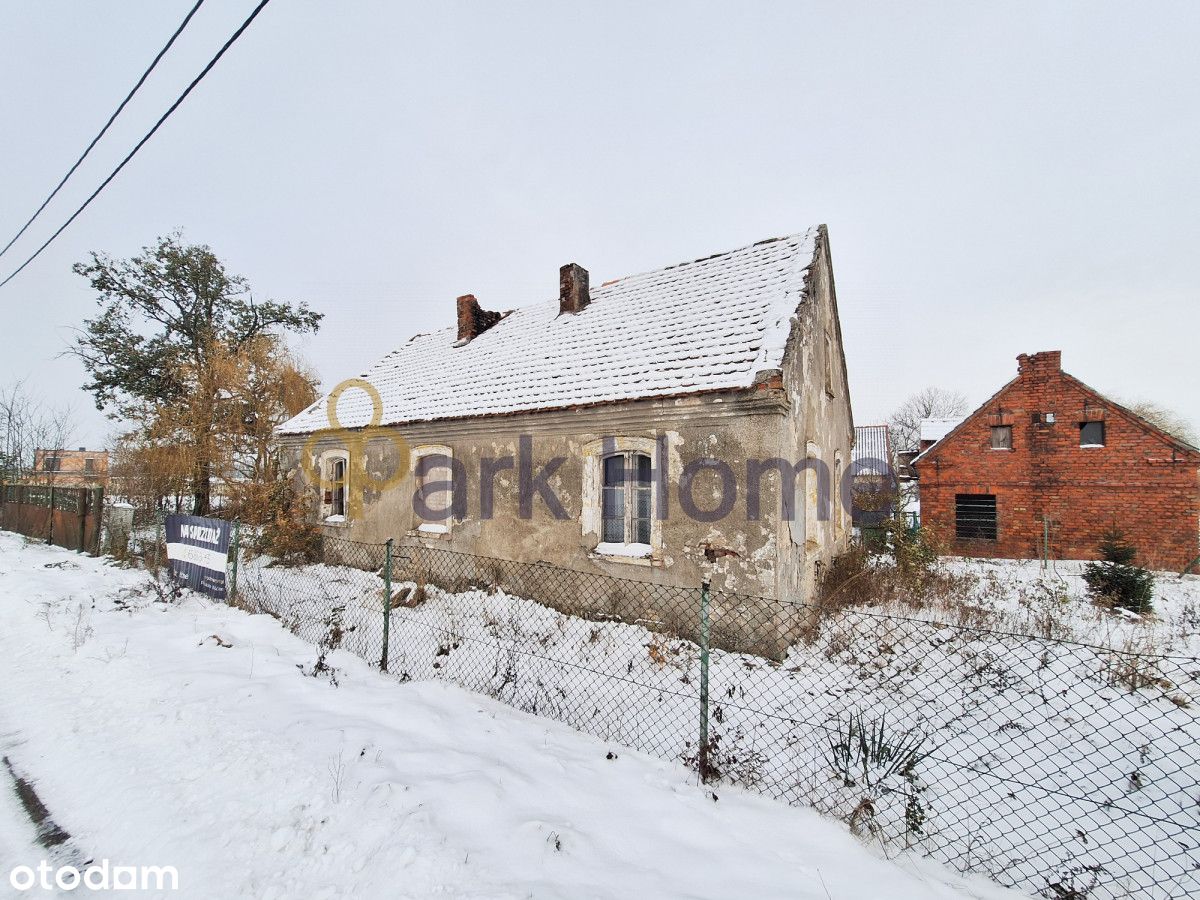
1048	464
704	403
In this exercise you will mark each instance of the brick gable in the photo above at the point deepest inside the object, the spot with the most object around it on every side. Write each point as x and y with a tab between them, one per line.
1142	479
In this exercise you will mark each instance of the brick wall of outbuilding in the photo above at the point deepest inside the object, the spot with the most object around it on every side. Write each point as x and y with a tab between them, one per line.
1142	479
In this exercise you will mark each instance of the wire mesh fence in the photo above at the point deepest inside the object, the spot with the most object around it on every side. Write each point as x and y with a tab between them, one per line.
1064	769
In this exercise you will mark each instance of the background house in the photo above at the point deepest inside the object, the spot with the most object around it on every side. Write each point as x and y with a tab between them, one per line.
701	368
1047	464
70	468
874	470
933	430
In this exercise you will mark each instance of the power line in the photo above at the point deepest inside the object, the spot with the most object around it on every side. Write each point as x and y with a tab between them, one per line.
111	119
149	134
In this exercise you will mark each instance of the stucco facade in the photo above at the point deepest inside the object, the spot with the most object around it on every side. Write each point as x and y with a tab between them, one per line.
730	455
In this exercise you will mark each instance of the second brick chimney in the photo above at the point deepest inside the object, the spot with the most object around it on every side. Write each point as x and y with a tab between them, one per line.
1048	362
473	320
573	293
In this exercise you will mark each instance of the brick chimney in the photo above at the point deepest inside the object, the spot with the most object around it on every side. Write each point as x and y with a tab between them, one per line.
1048	362
573	293
473	320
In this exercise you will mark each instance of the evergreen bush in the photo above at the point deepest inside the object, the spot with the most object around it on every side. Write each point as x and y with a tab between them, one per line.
1117	579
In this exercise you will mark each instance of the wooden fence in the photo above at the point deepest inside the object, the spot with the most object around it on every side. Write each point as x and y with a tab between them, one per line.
65	517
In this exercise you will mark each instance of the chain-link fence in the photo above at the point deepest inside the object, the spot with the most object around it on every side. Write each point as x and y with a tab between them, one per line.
1064	769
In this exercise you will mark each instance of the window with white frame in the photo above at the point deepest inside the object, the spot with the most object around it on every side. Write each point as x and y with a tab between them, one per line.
618	509
335	485
626	498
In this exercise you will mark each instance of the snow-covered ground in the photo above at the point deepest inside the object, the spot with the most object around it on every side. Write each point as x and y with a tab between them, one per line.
1051	764
187	735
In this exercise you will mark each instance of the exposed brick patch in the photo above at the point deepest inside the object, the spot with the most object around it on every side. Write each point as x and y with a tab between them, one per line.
474	320
573	291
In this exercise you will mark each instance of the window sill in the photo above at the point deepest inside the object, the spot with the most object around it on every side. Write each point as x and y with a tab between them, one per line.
1091	446
335	522
629	554
1002	449
431	530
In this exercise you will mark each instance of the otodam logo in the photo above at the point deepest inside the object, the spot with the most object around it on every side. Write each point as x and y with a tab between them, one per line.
355	440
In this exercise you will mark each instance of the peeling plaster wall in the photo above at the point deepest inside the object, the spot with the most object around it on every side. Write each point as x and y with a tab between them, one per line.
731	428
801	411
820	425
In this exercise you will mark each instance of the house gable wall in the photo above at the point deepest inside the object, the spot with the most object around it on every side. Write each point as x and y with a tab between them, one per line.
819	425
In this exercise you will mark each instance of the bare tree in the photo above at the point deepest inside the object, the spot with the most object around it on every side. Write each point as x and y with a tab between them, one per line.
930	403
1166	419
29	424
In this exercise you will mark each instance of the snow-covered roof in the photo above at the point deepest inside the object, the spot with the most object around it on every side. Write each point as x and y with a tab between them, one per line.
936	429
872	450
710	324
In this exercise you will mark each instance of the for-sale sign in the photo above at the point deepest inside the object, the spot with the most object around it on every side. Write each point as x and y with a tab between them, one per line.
197	550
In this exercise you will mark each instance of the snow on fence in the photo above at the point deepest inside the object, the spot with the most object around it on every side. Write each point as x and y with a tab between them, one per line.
1063	769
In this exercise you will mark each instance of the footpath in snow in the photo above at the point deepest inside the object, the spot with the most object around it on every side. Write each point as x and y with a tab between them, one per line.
187	735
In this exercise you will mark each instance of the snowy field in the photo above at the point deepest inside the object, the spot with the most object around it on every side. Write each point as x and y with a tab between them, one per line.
187	735
1052	756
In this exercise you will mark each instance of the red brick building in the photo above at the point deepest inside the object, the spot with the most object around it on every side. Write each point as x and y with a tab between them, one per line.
80	468
1049	457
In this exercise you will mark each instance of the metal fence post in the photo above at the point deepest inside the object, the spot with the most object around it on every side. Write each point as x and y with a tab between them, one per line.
387	603
99	520
702	754
1045	542
81	505
50	539
235	548
158	540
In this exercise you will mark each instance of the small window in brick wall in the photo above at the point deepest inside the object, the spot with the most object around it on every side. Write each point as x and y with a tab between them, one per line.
975	517
1091	434
1001	437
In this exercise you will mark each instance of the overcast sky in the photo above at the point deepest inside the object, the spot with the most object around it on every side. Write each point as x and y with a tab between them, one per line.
996	178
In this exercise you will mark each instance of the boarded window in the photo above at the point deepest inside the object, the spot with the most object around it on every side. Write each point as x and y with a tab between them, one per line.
975	517
1091	434
1001	437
